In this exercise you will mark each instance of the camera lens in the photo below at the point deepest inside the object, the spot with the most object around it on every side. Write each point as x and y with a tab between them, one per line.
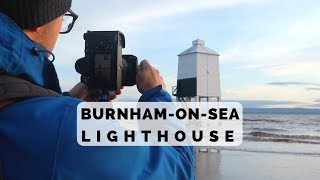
129	70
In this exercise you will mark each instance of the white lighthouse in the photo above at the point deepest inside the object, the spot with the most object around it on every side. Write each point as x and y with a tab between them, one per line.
198	73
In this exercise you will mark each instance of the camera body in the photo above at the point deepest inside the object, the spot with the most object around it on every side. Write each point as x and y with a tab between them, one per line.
104	68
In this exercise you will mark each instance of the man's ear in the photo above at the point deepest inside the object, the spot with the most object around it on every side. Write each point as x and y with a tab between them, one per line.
32	32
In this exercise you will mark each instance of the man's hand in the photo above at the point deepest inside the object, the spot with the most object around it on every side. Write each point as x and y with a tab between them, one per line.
148	77
81	91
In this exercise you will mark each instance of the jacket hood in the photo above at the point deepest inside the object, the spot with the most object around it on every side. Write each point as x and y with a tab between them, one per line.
17	57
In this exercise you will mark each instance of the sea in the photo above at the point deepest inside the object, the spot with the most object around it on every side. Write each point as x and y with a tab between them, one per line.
280	133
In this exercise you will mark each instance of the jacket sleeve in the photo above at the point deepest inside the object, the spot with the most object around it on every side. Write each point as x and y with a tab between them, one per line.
156	94
73	161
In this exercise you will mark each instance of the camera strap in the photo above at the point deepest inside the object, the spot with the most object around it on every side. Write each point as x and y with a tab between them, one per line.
13	89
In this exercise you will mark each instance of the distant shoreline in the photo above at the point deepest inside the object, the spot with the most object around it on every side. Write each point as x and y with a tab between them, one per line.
295	111
266	152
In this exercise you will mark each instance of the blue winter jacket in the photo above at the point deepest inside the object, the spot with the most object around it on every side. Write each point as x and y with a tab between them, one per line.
38	135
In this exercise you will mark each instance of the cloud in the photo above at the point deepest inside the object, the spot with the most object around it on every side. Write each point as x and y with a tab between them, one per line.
128	16
137	11
289	48
264	103
272	93
293	83
314	86
305	69
277	48
313	89
315	106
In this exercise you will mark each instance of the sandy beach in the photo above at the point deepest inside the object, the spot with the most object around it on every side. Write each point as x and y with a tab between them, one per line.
231	165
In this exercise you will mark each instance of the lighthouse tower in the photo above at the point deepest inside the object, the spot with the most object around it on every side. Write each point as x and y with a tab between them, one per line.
198	74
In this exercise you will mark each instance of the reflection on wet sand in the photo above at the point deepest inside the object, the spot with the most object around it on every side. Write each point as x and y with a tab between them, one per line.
231	165
208	165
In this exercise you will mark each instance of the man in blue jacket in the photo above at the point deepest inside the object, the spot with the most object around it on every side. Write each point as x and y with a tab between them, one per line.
38	125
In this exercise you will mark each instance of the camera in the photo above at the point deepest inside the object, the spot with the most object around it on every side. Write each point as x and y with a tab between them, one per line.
104	68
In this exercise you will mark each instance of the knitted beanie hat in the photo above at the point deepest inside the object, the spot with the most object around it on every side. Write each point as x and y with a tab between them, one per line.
28	14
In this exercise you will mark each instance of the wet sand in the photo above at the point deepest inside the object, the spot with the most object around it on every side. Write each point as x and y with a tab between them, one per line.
233	165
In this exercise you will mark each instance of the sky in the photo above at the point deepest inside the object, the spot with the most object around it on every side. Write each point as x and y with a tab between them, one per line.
269	49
